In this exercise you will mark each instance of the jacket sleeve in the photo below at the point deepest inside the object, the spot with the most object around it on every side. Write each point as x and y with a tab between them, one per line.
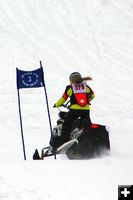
90	94
62	99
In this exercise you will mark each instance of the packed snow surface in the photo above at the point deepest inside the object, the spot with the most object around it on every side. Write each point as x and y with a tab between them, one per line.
94	38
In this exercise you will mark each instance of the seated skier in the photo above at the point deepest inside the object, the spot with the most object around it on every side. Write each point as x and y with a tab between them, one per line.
80	95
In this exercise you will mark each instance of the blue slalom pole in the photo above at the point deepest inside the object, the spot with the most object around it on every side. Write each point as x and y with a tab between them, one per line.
21	126
50	124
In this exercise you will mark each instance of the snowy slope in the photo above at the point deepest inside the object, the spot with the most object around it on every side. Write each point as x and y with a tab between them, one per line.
94	38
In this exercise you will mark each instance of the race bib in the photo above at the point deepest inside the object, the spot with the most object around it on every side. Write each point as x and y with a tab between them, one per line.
79	90
79	87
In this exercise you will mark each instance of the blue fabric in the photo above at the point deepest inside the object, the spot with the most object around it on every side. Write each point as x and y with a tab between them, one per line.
30	79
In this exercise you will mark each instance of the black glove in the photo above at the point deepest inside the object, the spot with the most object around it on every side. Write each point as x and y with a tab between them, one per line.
54	106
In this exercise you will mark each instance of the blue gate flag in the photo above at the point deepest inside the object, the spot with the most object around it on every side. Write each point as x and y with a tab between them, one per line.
30	79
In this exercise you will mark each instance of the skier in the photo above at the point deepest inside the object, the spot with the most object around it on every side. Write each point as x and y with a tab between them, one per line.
80	95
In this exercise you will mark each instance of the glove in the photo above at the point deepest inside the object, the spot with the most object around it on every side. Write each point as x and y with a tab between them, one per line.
54	106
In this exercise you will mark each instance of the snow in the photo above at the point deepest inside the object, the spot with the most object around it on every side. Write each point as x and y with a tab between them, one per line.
94	38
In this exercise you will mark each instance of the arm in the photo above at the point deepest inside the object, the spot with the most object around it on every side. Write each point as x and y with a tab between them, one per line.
60	102
62	99
90	94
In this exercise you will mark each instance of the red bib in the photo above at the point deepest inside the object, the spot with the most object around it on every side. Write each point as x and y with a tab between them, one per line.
79	90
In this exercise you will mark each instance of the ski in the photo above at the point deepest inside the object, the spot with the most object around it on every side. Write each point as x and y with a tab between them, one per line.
46	152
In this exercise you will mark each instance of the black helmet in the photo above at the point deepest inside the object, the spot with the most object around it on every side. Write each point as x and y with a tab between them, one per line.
75	77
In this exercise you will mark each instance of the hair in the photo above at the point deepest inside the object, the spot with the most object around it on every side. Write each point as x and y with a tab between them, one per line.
87	78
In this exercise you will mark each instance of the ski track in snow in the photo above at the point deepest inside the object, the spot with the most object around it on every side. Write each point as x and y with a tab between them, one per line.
94	38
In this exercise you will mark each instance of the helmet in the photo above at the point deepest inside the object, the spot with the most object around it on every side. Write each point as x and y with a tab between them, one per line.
75	77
